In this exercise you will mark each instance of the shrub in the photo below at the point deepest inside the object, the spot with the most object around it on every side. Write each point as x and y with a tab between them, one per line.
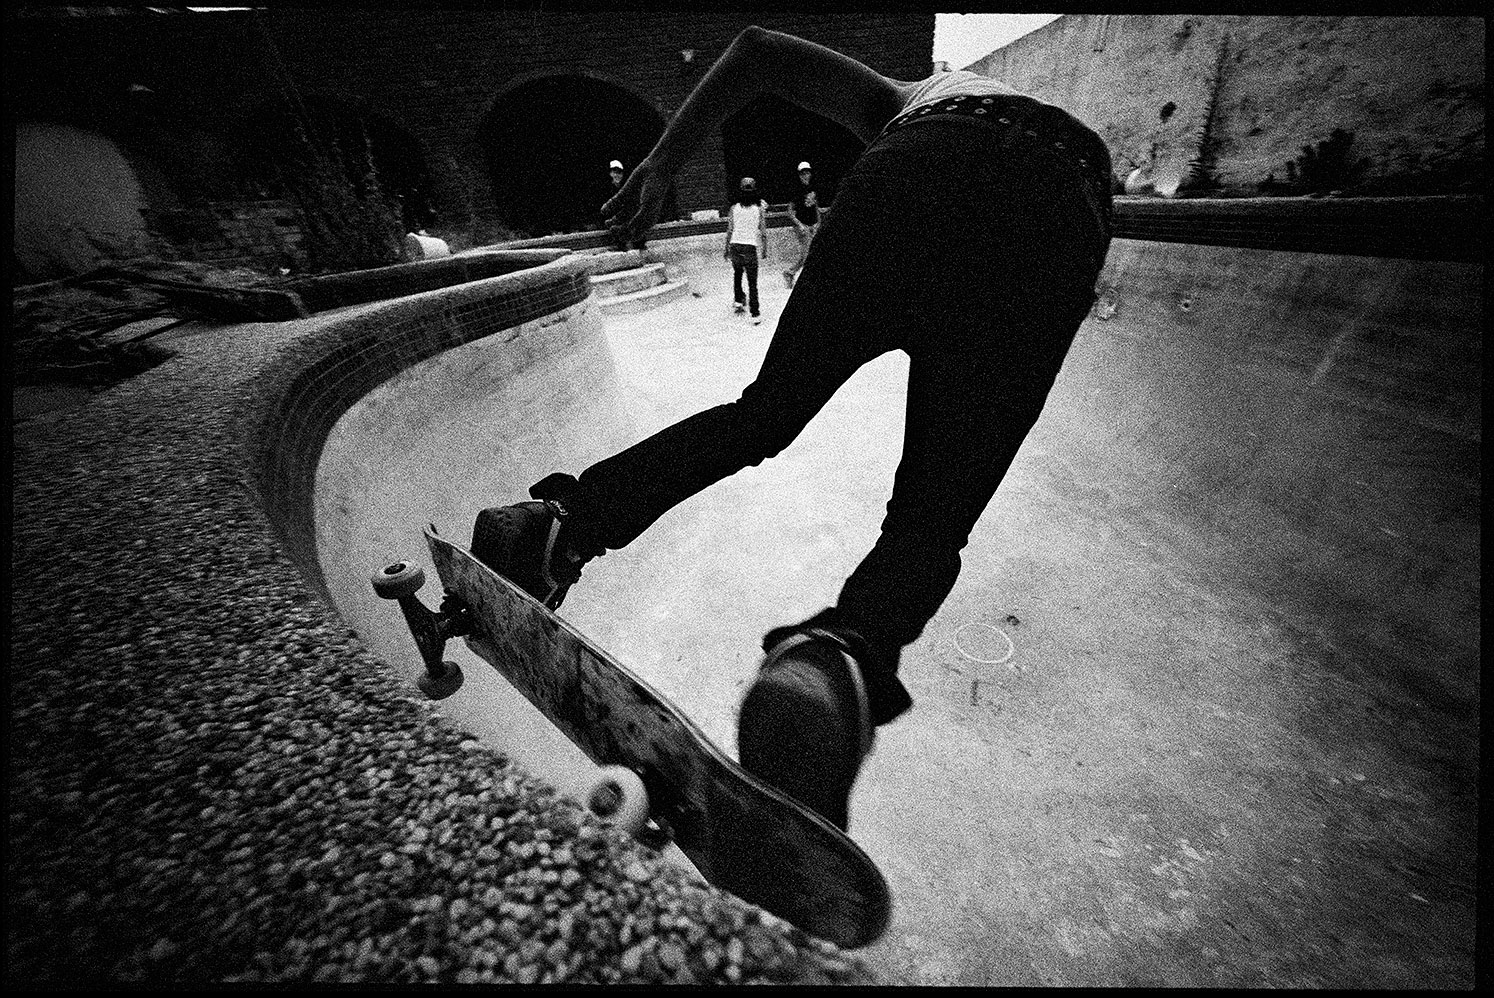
1202	178
1327	166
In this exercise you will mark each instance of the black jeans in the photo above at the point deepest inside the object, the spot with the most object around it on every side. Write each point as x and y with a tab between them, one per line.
744	260
975	249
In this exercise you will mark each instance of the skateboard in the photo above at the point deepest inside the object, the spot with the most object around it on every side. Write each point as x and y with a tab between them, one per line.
662	779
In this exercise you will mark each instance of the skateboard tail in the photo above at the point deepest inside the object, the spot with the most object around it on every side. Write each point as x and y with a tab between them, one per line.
820	890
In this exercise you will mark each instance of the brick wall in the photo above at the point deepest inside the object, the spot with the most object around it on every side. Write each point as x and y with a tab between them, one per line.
438	76
433	72
255	234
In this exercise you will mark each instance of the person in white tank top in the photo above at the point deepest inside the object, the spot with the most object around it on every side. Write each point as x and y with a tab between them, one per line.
746	245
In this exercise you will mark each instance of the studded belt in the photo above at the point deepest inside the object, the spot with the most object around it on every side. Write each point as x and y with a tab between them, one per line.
1031	124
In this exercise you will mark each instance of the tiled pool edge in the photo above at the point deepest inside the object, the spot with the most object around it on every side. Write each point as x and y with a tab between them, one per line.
315	380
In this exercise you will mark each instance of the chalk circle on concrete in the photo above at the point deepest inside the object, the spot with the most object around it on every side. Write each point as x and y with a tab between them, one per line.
983	653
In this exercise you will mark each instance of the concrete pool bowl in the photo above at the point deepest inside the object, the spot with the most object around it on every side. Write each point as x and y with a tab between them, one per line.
1202	709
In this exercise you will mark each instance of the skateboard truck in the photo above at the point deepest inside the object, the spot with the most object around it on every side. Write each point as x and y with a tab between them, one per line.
616	794
401	581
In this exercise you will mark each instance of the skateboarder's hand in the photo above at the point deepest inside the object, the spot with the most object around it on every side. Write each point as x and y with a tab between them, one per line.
636	207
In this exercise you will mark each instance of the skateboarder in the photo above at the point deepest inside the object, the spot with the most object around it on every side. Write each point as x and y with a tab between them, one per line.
969	235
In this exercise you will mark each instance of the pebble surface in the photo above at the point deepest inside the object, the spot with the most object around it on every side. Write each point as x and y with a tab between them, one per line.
212	780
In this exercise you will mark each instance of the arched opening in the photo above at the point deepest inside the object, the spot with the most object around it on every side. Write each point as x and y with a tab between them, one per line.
768	139
548	143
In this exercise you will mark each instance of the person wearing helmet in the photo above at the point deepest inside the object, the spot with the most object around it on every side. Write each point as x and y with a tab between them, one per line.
969	234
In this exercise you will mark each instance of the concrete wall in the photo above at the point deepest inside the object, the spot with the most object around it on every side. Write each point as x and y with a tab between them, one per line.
1409	88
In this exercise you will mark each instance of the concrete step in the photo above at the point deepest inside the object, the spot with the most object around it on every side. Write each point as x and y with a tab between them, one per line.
640	301
622	282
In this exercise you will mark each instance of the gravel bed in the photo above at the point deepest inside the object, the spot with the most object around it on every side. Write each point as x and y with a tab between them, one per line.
211	780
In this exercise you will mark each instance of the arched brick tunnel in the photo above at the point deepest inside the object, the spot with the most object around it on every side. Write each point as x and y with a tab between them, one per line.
548	142
770	137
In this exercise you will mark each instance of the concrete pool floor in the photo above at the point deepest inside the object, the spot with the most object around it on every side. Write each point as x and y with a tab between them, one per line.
1203	706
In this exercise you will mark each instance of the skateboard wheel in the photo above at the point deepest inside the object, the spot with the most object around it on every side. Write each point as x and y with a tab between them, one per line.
442	686
618	798
398	580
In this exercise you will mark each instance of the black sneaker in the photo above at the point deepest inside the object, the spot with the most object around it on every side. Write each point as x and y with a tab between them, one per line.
805	725
519	542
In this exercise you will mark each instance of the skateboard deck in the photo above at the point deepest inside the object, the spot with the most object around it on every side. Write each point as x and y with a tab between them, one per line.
742	835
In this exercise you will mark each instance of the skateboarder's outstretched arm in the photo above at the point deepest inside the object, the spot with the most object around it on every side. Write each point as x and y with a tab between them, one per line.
757	62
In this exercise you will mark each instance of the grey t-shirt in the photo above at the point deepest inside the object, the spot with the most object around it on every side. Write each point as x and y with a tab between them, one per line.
960	83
